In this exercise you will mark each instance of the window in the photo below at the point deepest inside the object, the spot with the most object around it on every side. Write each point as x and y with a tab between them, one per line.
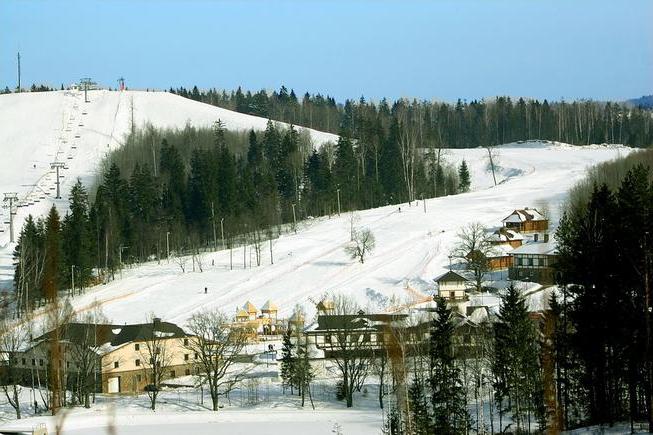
185	342
535	237
172	373
187	372
33	362
138	363
67	365
23	361
41	362
137	346
186	357
138	378
116	364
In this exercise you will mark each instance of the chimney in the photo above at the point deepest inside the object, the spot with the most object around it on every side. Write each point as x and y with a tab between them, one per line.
156	321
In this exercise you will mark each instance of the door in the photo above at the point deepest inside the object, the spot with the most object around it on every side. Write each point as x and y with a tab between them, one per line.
113	385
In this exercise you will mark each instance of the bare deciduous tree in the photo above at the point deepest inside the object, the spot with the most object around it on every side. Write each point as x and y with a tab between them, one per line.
474	247
12	338
350	344
362	244
216	345
157	357
492	161
85	353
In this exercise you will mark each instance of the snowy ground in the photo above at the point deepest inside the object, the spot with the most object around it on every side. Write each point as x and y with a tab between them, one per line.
39	128
412	246
258	405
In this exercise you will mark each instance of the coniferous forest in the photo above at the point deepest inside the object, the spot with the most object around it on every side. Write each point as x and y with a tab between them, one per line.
439	124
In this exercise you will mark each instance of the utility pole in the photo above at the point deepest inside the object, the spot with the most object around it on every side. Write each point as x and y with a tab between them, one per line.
72	279
168	246
649	311
294	219
11	198
56	166
424	202
215	239
18	72
338	193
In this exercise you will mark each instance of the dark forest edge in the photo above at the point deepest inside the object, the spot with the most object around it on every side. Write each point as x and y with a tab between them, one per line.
461	125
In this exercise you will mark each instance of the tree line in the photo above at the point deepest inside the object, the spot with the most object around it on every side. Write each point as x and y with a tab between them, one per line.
603	334
169	192
443	125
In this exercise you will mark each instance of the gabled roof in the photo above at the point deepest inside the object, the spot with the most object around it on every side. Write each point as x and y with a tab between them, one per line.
356	321
451	276
325	305
537	248
116	335
524	215
250	307
269	306
242	313
503	234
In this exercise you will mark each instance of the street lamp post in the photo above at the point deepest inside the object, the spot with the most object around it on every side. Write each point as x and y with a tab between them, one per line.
72	279
294	219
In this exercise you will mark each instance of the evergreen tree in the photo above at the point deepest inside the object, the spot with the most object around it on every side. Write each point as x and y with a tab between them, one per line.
448	401
463	177
52	273
288	361
515	362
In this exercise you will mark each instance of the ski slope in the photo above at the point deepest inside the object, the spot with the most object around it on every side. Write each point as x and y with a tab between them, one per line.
39	128
412	246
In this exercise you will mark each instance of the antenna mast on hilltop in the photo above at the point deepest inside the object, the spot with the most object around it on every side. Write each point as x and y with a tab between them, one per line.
19	71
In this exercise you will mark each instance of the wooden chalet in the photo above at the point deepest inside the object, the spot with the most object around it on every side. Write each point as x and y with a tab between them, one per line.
453	286
534	262
527	220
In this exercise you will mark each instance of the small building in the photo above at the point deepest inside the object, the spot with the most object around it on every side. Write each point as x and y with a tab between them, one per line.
242	315
270	310
453	286
337	333
525	221
534	262
499	258
121	354
504	236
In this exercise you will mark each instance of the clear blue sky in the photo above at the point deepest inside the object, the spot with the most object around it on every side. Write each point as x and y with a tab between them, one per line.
427	49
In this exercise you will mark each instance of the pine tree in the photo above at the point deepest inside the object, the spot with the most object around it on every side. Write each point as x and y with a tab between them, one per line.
448	401
52	275
288	362
463	177
515	362
421	418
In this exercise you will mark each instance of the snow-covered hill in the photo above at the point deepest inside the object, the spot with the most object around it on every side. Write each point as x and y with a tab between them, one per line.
412	246
39	128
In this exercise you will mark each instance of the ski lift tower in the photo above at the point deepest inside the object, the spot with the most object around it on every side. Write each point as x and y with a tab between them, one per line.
121	84
86	82
56	166
11	198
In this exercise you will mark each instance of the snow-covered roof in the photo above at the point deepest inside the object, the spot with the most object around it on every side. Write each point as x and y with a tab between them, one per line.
501	250
537	248
505	235
523	215
451	276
